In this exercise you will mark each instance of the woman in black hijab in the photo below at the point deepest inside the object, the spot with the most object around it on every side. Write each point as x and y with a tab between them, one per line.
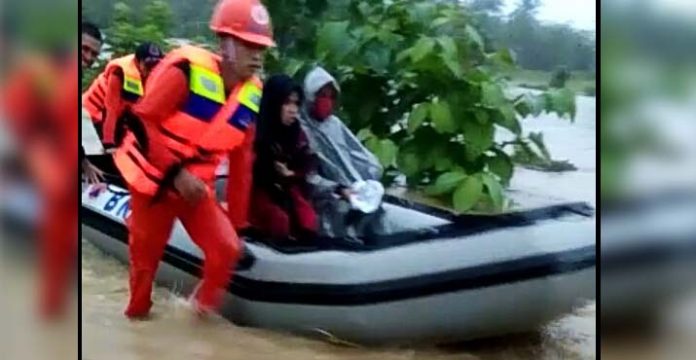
280	207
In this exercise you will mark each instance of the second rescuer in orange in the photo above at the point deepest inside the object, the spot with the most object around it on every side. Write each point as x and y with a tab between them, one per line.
198	108
119	86
39	101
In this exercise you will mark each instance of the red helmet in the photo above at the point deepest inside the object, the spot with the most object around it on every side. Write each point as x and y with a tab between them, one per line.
247	20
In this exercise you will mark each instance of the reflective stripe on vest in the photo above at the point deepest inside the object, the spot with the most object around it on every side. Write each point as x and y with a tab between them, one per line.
132	88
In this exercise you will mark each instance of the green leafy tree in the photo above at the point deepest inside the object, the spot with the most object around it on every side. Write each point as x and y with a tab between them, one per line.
423	94
493	7
130	28
539	46
487	16
559	77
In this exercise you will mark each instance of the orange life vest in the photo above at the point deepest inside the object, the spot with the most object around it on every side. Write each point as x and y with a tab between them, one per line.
41	100
132	90
206	127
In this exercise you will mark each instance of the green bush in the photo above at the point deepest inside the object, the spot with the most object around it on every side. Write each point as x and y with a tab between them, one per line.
421	90
559	77
129	29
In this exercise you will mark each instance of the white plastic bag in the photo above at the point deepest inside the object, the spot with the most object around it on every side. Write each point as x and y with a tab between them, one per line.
367	195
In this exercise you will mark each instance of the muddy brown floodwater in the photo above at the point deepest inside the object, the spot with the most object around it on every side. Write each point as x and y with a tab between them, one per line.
22	335
174	333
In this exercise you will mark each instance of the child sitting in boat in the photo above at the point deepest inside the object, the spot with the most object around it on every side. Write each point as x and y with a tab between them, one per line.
279	206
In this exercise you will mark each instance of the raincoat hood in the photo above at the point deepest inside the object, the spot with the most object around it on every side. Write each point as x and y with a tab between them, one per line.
315	80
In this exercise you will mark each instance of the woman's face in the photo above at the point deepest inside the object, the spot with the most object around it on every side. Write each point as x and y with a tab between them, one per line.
290	109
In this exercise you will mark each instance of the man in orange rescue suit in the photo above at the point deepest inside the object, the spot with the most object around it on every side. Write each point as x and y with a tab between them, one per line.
40	104
119	86
198	108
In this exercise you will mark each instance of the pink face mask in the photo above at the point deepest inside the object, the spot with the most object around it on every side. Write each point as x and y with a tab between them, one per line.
323	107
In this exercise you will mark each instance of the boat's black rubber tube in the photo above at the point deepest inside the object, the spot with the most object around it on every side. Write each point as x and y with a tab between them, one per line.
476	277
460	225
644	254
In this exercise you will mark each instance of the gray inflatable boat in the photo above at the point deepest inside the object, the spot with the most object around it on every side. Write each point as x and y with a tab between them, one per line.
439	278
648	255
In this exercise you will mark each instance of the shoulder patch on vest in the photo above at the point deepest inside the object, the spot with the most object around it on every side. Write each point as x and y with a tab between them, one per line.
250	96
207	84
132	85
242	118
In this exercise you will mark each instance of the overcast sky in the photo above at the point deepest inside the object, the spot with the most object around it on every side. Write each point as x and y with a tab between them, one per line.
577	13
681	8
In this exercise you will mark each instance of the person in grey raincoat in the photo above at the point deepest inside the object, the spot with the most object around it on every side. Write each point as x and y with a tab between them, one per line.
342	160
